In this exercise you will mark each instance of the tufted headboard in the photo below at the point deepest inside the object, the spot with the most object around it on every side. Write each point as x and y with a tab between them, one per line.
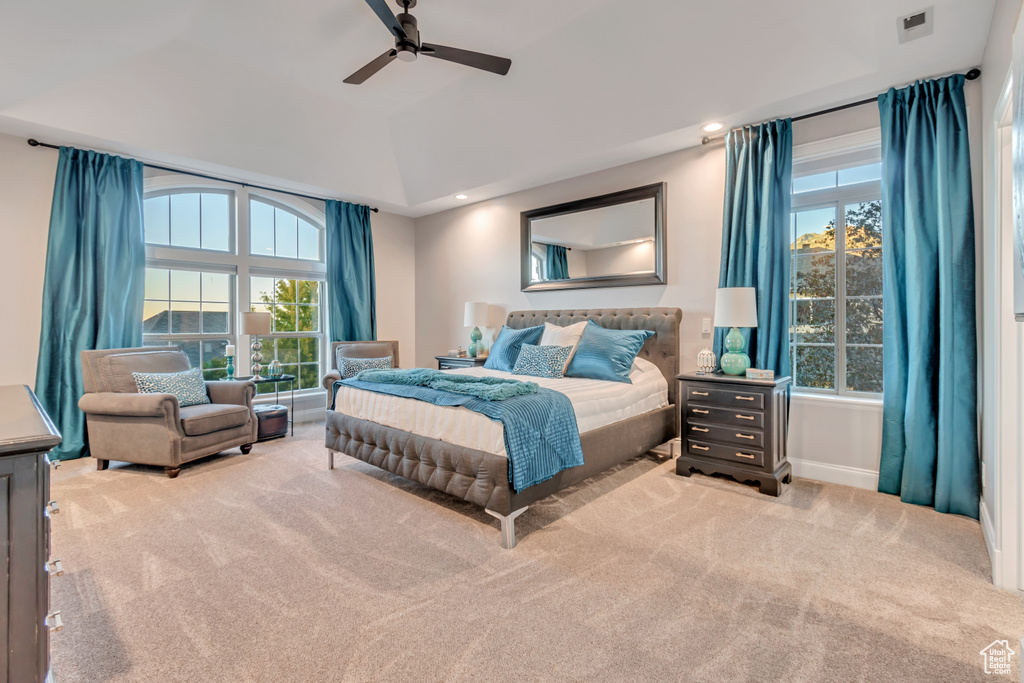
662	349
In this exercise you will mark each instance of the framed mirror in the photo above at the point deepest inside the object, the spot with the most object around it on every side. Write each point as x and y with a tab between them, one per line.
615	240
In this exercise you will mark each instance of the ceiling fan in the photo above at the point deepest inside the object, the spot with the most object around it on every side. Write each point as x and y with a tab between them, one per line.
407	45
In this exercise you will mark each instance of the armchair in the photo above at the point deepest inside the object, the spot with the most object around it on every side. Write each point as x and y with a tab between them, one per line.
152	429
356	349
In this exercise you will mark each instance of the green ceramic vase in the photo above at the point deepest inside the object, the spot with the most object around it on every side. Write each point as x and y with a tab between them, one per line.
734	361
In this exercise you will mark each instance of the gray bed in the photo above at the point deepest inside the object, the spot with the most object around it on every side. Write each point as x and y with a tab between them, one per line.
482	478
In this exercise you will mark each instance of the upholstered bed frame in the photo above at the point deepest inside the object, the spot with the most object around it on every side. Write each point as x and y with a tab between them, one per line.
482	478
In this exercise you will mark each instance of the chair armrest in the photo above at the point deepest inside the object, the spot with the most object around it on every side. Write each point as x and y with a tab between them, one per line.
328	382
129	405
235	393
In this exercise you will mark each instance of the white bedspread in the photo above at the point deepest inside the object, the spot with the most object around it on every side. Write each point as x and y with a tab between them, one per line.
596	403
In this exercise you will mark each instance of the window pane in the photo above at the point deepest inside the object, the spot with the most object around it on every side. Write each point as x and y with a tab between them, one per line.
185	317
214	361
860	174
285	291
217	287
815	367
309	377
288	351
261	290
287	240
309	350
818	181
157	220
864	225
267	388
284	318
185	220
185	285
215	318
289	370
307	318
261	233
864	368
814	276
864	321
864	272
815	322
814	231
309	241
158	283
155	317
192	350
216	220
309	292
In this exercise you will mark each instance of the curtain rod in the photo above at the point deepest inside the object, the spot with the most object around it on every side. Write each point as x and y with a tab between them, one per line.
971	75
35	143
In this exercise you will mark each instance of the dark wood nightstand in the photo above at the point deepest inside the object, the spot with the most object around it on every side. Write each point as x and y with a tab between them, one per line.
735	426
452	362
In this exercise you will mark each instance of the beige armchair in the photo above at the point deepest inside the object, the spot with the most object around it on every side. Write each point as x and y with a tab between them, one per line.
356	349
152	429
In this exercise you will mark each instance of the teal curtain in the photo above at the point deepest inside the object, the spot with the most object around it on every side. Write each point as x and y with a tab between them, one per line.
351	301
929	411
94	281
756	236
557	263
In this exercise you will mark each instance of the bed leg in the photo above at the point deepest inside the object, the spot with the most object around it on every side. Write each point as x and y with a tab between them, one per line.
508	526
330	459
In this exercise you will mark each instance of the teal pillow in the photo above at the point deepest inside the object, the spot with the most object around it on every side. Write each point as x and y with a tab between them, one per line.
187	386
350	367
606	354
505	350
541	361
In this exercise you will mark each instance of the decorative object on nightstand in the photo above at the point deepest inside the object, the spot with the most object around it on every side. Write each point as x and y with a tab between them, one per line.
476	317
735	426
706	361
229	355
254	324
452	362
735	307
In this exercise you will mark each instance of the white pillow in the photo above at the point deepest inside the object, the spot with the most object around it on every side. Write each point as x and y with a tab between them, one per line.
555	335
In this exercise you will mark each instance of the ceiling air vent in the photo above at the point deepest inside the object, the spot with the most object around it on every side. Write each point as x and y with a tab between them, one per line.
916	25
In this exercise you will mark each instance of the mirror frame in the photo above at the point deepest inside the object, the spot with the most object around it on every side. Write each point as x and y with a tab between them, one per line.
658	277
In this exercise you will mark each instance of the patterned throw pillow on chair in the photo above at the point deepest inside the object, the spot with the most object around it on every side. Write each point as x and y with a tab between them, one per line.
350	367
187	386
542	361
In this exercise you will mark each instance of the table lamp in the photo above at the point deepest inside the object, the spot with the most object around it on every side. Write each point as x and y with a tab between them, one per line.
735	307
476	316
254	324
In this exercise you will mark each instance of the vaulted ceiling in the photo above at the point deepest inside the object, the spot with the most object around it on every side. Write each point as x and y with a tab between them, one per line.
253	88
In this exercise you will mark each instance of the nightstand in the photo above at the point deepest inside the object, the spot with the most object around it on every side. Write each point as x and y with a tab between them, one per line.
735	426
452	362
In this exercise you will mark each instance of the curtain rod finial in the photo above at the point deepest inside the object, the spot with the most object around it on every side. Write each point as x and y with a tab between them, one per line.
973	74
33	142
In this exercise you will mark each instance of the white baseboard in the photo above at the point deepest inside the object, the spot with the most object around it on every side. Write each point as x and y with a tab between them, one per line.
988	531
309	415
835	474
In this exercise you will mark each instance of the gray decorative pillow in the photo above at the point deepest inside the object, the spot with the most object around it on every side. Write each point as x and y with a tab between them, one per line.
350	367
187	386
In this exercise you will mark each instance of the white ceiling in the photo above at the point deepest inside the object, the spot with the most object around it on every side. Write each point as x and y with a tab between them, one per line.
253	88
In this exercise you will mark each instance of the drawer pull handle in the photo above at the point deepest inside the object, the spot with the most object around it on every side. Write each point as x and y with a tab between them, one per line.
745	436
697	429
54	622
55	568
698	410
699	393
700	448
745	398
54	509
748	456
745	417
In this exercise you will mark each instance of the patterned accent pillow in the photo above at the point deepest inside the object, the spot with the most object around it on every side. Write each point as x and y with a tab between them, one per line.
505	349
350	367
187	386
542	361
607	354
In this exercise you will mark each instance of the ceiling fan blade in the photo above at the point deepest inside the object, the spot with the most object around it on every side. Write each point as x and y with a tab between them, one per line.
477	60
381	8
371	68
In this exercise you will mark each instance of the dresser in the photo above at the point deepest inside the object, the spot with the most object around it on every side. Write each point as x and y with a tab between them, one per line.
735	426
452	362
26	436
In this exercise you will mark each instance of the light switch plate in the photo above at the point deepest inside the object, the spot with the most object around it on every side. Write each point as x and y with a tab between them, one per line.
705	325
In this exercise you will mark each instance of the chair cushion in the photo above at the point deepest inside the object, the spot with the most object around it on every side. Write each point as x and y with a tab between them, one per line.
212	417
188	386
117	368
350	367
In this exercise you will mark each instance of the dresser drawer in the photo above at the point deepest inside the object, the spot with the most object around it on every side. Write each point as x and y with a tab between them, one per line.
732	416
702	393
709	432
747	456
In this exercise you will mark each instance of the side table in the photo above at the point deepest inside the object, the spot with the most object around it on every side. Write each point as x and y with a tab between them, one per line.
277	392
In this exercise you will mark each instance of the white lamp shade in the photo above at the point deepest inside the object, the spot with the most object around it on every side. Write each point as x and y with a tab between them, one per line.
254	323
476	314
736	307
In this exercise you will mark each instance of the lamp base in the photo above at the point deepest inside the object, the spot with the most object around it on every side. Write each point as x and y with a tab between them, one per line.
475	336
735	363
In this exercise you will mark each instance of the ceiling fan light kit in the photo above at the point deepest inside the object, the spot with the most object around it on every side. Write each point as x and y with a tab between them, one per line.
405	29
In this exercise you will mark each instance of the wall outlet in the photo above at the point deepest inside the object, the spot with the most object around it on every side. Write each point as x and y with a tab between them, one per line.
705	326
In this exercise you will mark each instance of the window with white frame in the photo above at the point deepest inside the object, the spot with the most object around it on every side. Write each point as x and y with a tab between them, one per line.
214	250
836	274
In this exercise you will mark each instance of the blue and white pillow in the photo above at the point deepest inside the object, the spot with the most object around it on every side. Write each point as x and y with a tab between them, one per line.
187	386
542	361
606	354
505	350
350	367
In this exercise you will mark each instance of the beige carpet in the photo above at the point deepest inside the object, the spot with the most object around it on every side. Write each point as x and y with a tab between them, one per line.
269	567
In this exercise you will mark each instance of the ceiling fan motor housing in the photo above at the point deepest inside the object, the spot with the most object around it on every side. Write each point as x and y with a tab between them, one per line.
408	46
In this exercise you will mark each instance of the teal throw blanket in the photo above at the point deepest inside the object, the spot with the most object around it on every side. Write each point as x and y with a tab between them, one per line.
487	388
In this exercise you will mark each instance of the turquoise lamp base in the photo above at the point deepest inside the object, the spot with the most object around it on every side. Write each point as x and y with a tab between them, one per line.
734	362
475	336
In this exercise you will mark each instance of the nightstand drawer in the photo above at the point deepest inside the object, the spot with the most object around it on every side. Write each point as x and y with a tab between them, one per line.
749	456
732	416
709	432
702	393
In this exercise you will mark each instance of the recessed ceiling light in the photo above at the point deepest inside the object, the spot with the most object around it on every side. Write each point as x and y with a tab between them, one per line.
712	127
461	196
